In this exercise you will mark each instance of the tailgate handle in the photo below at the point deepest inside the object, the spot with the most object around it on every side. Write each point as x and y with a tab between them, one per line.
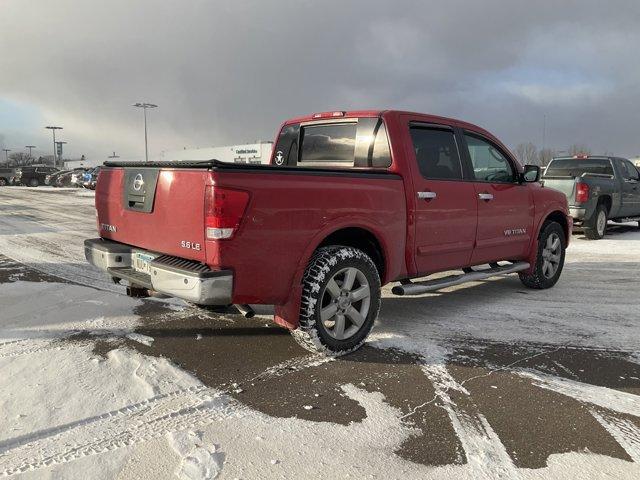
137	203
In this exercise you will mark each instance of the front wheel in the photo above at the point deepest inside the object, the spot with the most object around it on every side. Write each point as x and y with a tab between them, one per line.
340	301
33	182
549	259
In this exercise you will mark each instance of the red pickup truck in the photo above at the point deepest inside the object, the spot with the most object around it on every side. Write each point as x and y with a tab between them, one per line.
349	202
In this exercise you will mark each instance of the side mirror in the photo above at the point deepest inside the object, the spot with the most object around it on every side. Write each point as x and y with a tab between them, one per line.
531	174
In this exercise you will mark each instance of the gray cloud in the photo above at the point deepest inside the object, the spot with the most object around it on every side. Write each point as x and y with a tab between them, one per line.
228	72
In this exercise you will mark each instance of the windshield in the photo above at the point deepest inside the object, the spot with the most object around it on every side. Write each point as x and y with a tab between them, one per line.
571	167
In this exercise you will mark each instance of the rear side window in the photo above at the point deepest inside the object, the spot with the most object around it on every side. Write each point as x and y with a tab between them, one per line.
362	143
329	145
380	153
436	153
571	167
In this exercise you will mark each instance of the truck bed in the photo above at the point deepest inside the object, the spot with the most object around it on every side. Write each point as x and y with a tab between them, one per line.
272	227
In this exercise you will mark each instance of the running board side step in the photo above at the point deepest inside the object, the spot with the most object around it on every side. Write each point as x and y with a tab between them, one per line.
439	283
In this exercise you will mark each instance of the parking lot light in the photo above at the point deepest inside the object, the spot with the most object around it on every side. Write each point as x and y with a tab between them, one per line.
29	147
144	107
53	129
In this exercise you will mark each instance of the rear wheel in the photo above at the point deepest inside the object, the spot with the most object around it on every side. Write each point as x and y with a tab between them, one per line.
340	301
549	259
597	226
3	182
33	182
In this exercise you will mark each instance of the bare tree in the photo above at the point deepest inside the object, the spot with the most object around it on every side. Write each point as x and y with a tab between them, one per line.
527	153
18	159
545	155
578	149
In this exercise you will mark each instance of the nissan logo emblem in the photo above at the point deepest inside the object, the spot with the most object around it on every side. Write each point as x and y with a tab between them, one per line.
138	182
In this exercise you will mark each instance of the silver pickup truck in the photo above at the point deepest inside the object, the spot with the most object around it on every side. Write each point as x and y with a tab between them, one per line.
598	189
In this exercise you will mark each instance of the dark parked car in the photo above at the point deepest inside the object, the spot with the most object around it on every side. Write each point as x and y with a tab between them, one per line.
33	175
53	178
598	189
71	178
7	176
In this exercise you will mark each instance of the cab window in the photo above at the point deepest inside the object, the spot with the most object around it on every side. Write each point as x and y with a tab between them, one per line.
436	153
328	145
488	162
629	171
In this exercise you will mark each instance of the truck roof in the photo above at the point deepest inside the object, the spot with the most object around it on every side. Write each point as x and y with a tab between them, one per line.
375	113
427	117
424	117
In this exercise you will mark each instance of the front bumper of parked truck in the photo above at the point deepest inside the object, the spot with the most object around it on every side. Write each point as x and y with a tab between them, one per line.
165	274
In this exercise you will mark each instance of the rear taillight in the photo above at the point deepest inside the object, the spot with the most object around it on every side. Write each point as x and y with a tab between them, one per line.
223	211
582	193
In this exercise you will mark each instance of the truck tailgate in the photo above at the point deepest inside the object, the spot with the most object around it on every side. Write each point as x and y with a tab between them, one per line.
565	185
157	209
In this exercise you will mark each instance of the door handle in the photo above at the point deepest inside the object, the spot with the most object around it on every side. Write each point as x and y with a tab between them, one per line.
427	195
485	196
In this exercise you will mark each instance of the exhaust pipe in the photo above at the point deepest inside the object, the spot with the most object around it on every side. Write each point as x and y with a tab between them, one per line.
246	311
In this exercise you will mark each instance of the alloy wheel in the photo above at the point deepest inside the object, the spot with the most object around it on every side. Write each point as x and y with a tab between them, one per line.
345	303
551	255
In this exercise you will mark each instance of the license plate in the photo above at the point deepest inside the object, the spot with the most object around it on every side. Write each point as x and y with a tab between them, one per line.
141	262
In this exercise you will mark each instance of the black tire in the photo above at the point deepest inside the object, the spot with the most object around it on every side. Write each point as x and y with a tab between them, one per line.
3	182
594	229
33	182
327	265
541	278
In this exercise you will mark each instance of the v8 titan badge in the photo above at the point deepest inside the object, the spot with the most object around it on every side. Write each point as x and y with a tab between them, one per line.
279	158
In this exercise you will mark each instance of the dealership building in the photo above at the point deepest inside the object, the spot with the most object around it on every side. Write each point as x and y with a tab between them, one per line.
248	153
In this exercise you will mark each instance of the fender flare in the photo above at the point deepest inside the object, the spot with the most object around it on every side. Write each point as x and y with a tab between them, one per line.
287	315
533	247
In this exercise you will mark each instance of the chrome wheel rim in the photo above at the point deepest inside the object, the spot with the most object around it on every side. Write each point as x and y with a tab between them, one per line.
551	255
345	303
601	223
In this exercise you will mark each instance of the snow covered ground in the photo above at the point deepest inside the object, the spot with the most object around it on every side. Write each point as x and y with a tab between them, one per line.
488	380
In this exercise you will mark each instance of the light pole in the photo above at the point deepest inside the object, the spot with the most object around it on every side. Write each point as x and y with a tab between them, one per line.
29	147
53	129
144	107
6	154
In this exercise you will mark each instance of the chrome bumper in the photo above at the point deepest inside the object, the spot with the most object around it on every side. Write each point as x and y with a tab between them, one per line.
577	213
205	287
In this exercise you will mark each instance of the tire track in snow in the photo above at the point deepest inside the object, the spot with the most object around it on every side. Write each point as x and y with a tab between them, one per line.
27	347
486	455
183	409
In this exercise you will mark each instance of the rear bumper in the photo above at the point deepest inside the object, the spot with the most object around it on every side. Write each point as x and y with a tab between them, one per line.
578	213
169	275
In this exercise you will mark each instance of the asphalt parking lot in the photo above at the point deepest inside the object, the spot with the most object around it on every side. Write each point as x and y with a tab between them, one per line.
486	380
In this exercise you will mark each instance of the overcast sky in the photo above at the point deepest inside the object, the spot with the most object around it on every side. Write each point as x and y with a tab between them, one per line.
230	72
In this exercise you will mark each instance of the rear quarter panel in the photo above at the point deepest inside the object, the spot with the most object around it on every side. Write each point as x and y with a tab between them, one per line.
289	215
